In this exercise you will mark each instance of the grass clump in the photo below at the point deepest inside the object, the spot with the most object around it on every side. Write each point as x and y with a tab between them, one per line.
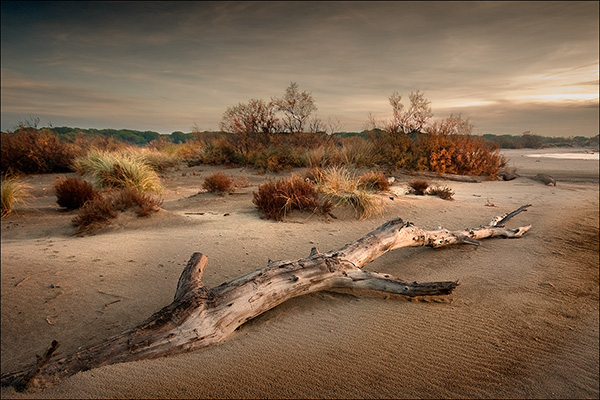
374	181
218	182
73	193
12	192
99	211
442	192
277	198
418	187
340	187
121	169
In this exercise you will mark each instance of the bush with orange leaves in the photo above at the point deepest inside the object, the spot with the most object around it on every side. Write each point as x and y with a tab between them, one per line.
218	182
449	147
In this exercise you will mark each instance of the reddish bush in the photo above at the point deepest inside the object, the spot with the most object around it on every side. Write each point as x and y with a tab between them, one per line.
99	211
94	215
418	186
276	199
374	181
218	182
143	203
33	151
72	193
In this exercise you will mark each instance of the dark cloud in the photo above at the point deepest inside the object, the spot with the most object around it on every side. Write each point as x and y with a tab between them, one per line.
201	57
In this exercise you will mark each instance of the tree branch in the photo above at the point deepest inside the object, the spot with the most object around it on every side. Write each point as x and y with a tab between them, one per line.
199	316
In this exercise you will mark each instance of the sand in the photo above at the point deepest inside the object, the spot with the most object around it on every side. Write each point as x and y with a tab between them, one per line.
522	324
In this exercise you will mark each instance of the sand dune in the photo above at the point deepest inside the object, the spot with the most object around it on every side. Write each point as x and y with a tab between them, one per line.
523	322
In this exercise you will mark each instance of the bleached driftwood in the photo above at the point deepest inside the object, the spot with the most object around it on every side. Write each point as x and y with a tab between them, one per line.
201	316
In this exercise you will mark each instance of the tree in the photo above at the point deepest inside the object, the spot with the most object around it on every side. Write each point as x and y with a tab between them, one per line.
296	106
453	125
414	119
255	117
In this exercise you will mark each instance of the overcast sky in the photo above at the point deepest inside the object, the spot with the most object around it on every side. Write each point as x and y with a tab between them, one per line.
509	67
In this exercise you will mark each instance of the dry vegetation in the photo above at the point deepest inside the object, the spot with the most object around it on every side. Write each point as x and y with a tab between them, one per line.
267	136
420	187
218	182
99	211
277	198
73	193
13	191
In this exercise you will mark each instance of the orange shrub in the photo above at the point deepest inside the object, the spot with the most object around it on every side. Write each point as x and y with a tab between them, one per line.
99	211
374	181
35	151
276	199
73	193
218	182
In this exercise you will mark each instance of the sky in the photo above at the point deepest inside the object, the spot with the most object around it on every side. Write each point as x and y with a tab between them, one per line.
508	67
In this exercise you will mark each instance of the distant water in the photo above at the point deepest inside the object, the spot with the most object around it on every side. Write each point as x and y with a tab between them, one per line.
567	156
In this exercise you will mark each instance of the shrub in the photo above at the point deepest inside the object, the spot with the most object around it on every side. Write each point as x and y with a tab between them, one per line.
356	151
340	188
442	192
99	211
33	151
313	175
142	203
374	181
72	193
459	154
218	182
222	151
121	169
278	158
12	191
418	186
157	160
277	198
94	214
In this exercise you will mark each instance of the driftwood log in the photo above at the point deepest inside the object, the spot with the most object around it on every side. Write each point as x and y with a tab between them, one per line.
201	316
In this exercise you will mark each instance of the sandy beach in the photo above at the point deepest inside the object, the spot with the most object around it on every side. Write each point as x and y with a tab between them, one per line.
522	324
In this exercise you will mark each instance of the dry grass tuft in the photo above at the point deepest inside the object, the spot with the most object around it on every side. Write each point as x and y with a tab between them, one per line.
12	192
418	187
442	192
73	193
277	198
374	181
340	187
99	211
218	182
121	169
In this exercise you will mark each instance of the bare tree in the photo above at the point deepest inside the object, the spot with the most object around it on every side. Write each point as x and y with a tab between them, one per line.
334	124
414	119
453	125
373	122
296	107
255	117
316	125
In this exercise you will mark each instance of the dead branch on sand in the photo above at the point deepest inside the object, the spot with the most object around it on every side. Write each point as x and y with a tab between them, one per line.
201	316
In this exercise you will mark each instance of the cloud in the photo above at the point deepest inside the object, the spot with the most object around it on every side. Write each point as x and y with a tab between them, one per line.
191	60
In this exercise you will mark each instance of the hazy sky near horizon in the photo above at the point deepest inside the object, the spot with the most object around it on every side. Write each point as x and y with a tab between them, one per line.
509	67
